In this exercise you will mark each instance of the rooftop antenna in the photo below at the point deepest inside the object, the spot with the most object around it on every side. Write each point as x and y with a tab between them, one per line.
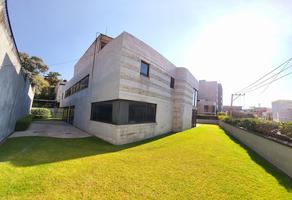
106	30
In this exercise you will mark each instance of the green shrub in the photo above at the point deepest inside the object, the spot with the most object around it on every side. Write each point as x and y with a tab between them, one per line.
40	113
23	123
248	124
286	129
268	128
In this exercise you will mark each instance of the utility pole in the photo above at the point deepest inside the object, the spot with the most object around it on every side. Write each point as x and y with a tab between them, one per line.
233	99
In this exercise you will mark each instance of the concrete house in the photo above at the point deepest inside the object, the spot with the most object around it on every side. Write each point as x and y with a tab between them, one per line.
282	110
16	93
124	91
210	97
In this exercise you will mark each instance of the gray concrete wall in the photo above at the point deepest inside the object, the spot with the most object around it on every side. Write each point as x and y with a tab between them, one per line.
16	94
278	154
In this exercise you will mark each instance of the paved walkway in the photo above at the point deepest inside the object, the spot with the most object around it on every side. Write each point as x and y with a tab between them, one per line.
58	129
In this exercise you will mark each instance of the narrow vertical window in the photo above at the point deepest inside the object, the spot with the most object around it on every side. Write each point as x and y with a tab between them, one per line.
171	82
144	69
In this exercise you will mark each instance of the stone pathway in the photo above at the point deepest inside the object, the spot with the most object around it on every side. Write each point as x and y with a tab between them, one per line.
58	129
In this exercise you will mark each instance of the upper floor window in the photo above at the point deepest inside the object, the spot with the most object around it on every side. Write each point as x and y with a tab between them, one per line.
144	69
80	85
195	97
171	82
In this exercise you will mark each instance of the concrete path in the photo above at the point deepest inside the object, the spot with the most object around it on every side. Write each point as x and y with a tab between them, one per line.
58	129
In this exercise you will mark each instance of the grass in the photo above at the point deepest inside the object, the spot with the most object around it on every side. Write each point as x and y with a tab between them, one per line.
201	163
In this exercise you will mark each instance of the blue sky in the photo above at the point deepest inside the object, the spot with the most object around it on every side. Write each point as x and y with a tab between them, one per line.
233	42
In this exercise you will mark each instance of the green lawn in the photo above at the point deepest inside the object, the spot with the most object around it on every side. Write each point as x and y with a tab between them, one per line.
201	163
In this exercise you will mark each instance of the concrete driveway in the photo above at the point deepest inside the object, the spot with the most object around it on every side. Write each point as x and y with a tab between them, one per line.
58	129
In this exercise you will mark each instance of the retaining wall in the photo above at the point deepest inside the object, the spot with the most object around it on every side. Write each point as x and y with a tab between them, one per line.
280	155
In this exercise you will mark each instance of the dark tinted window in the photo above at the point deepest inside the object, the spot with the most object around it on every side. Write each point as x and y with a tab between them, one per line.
123	112
195	97
80	85
141	112
144	69
171	82
102	112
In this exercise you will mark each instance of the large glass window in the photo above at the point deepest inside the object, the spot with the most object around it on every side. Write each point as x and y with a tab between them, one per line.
80	85
144	69
123	112
102	111
141	112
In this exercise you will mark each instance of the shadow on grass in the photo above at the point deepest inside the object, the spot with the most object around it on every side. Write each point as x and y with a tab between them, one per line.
30	151
281	177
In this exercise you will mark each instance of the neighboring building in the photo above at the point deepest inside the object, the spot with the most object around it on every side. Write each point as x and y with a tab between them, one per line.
229	108
210	97
282	110
128	92
16	94
258	111
59	90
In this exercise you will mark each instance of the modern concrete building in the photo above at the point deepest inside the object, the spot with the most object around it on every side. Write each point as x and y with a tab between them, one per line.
210	97
16	94
124	91
282	110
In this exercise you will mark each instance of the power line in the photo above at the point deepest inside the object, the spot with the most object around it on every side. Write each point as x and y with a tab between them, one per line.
269	82
247	87
267	79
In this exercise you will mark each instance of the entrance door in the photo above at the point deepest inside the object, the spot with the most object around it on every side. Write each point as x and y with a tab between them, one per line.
71	115
68	114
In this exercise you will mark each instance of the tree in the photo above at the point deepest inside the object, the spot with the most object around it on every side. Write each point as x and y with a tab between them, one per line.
32	66
40	84
52	78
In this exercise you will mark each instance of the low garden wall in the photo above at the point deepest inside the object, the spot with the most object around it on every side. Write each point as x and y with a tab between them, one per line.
207	121
280	155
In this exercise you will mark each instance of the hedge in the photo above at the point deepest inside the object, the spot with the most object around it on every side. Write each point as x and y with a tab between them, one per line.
23	123
282	131
40	113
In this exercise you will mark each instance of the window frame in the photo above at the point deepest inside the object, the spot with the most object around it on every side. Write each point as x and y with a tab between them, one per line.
76	87
119	117
148	69
172	82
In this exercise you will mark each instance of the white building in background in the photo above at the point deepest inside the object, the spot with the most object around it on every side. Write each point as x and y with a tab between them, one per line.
210	97
124	91
282	110
59	90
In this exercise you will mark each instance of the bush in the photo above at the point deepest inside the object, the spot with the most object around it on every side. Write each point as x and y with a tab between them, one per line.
23	124
286	129
268	128
40	113
248	124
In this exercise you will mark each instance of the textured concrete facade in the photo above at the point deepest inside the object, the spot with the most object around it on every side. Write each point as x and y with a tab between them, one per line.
115	74
282	110
16	94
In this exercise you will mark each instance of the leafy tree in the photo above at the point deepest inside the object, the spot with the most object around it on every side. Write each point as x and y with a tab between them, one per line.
40	84
35	69
32	66
52	78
